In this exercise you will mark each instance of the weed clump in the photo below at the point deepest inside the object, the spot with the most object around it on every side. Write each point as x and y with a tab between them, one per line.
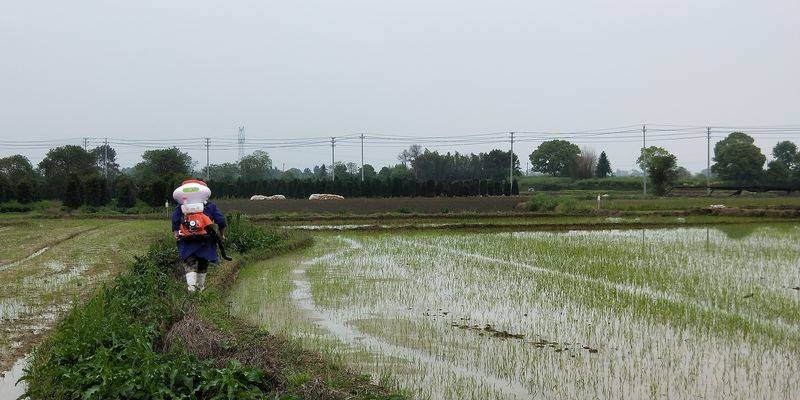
243	237
543	202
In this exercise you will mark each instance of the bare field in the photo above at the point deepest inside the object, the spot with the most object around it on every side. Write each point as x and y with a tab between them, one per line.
426	205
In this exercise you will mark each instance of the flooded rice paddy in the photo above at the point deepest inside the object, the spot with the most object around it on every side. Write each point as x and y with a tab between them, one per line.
661	313
47	265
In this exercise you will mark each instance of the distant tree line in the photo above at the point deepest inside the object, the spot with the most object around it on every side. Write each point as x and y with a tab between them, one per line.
737	160
371	187
92	177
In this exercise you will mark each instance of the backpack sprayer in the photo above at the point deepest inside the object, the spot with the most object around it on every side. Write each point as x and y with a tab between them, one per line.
192	195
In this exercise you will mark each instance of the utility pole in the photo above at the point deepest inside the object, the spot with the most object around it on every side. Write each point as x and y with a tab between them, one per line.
208	159
644	160
362	157
708	161
511	167
240	141
105	158
333	159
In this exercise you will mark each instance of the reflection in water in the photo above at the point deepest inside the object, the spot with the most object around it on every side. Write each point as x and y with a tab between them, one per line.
643	248
9	388
737	231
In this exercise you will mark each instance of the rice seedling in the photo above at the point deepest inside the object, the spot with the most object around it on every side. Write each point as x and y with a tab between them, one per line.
52	263
679	313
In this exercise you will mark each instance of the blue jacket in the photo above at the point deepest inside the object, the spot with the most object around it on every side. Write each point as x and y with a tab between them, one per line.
205	249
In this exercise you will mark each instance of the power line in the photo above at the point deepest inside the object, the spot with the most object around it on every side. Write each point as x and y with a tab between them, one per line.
655	133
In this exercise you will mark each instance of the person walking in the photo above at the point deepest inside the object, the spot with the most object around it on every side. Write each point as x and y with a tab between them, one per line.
195	222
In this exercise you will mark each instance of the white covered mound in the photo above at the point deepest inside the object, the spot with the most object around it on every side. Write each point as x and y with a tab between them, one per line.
325	196
273	197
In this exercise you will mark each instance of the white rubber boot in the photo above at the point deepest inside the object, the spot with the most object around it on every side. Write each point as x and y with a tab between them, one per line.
201	281
191	281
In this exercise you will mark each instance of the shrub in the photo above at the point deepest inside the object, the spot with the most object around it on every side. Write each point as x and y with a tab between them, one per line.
126	192
73	197
96	191
243	236
540	202
14	206
566	204
25	192
544	202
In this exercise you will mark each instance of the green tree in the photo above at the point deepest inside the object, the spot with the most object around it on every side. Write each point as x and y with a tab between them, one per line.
6	189
737	159
73	192
168	164
341	172
17	168
25	192
647	154
156	192
222	172
60	163
603	168
255	166
321	172
682	174
126	192
401	172
369	172
106	159
663	172
778	172
95	191
786	153
554	157
292	173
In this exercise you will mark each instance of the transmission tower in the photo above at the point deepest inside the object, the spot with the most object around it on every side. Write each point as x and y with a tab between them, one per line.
240	140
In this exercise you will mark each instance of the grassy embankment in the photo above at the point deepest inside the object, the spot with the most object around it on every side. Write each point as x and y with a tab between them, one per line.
146	337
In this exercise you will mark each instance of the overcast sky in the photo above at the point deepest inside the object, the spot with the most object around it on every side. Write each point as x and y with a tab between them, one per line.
192	69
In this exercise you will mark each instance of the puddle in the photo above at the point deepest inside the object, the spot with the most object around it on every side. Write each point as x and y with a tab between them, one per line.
9	388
